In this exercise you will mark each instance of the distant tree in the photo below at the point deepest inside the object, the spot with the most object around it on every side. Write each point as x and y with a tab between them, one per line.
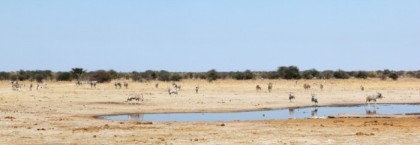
291	72
270	75
77	73
310	74
386	72
114	74
149	75
39	78
164	75
176	77
394	76
101	76
63	76
340	74
362	75
212	75
246	75
4	76
22	75
327	74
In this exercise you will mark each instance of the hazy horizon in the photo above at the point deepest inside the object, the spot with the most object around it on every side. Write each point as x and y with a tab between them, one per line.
197	36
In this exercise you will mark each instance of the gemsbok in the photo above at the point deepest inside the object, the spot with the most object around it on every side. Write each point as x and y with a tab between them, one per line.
135	97
291	97
270	86
373	98
258	88
314	99
172	92
125	85
306	86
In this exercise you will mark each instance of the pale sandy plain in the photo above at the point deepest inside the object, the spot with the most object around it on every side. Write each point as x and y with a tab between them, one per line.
64	113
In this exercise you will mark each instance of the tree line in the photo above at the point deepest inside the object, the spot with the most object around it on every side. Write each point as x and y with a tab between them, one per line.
283	72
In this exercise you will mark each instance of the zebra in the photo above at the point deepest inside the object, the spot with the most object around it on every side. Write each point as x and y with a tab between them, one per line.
270	86
291	97
126	85
314	99
135	97
373	98
306	86
258	88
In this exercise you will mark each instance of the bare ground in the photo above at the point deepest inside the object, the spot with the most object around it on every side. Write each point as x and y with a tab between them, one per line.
64	113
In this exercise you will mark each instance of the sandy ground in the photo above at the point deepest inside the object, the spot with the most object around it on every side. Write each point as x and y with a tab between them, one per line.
63	113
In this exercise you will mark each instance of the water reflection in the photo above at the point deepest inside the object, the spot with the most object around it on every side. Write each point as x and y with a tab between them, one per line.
315	112
135	117
370	110
291	112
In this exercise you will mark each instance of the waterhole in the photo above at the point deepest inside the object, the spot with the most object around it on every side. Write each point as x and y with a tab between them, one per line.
283	113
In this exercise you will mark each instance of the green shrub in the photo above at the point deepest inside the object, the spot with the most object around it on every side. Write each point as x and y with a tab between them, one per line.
164	75
212	75
176	77
63	76
340	74
101	76
310	74
362	75
291	72
394	76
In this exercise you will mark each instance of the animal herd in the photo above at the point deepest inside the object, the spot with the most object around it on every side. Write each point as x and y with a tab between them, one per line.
176	88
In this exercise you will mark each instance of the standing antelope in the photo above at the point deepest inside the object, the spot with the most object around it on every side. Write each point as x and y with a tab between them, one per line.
362	88
321	87
93	84
196	89
270	86
117	85
306	86
258	88
136	97
373	98
291	97
126	85
30	87
314	99
173	92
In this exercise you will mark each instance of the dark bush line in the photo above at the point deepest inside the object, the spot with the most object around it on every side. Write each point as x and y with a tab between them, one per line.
283	72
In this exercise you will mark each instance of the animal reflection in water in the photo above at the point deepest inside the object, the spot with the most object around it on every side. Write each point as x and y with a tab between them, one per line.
370	110
291	112
314	112
135	117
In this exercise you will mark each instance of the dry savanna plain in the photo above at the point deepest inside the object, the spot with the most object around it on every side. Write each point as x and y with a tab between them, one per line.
63	113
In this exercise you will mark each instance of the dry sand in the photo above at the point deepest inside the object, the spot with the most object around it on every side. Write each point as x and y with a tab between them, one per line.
64	113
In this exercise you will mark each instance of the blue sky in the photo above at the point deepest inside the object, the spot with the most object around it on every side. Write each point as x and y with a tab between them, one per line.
199	35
